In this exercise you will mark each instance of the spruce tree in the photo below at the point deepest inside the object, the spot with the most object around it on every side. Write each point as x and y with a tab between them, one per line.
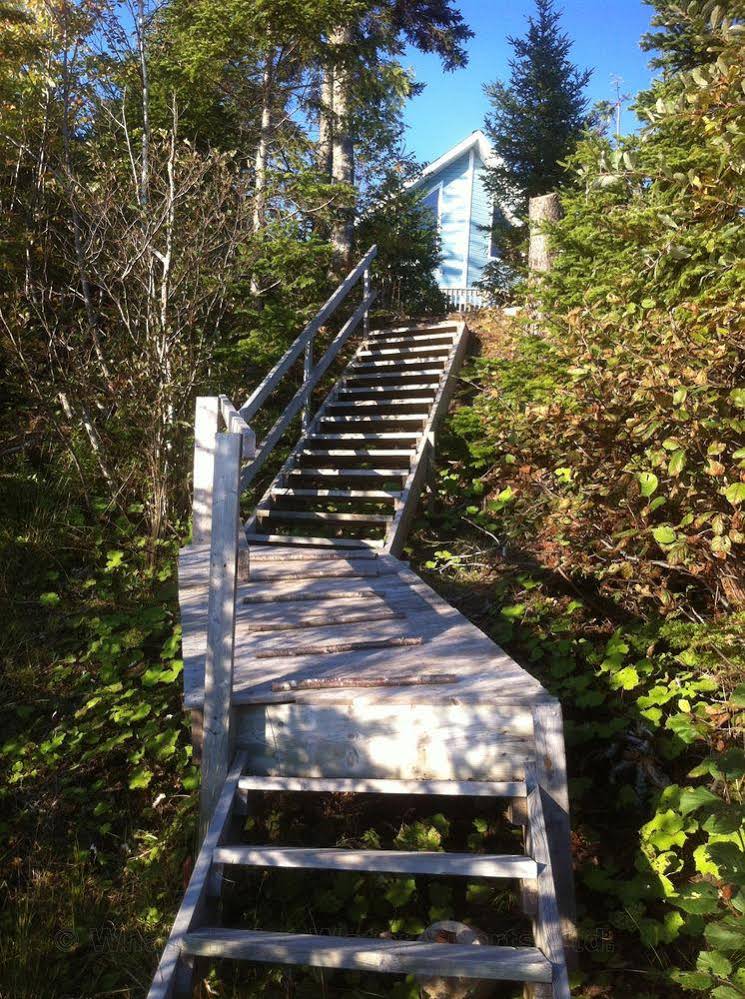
536	117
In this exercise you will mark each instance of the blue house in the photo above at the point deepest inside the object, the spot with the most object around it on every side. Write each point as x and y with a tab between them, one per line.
453	187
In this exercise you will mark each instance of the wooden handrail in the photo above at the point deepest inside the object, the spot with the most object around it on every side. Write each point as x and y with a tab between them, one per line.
302	395
254	402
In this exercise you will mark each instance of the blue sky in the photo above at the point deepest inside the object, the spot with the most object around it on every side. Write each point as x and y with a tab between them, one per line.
606	37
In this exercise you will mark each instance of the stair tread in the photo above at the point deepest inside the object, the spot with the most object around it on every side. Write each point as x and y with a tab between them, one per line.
382	785
381	861
276	513
361	494
368	473
346	452
369	403
295	539
371	954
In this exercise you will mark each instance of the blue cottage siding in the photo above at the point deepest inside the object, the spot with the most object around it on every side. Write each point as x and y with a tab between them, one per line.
454	183
479	238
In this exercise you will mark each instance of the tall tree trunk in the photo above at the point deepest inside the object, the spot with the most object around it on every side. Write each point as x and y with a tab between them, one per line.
265	138
541	210
342	164
326	122
142	54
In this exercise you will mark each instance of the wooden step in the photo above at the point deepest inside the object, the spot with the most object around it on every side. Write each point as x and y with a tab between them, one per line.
344	457
393	377
399	957
469	865
404	364
294	539
357	785
347	437
263	555
320	516
414	331
394	353
414	405
396	342
350	474
367	422
370	495
391	391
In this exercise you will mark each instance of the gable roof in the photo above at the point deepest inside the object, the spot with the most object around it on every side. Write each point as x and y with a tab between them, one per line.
476	140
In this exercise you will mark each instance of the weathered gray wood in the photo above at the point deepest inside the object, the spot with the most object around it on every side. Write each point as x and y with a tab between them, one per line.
303	393
552	776
236	424
397	741
314	621
381	861
400	957
288	492
361	681
192	907
321	516
547	927
303	596
206	420
254	402
349	785
333	646
295	539
218	683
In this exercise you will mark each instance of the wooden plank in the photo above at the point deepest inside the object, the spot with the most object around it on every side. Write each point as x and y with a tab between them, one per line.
206	419
331	646
348	785
236	424
304	596
391	353
280	554
218	683
321	516
384	474
378	740
333	438
359	617
548	925
399	957
288	492
552	776
192	906
254	402
295	539
381	861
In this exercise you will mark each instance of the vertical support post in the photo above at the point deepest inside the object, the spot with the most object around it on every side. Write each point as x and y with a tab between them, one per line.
365	293
551	768
307	369
217	746
205	428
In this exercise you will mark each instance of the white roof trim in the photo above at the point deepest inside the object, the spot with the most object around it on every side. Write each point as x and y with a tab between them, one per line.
475	140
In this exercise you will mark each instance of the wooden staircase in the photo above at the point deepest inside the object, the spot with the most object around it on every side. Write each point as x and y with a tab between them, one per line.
354	477
316	662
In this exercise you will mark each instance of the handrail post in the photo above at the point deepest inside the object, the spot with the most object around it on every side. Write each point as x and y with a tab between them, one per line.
365	293
307	369
217	747
206	419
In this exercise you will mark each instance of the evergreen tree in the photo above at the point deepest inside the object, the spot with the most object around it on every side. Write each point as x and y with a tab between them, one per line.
537	117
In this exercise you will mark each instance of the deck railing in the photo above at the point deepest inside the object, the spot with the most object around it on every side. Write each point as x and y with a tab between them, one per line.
225	463
465	299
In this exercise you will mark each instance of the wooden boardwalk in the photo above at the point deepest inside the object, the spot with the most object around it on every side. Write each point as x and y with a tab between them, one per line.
320	662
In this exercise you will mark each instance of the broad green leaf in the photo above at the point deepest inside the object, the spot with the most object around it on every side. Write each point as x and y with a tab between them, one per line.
728	934
664	534
648	483
692	798
737	697
700	899
735	494
140	778
677	463
625	679
737	397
